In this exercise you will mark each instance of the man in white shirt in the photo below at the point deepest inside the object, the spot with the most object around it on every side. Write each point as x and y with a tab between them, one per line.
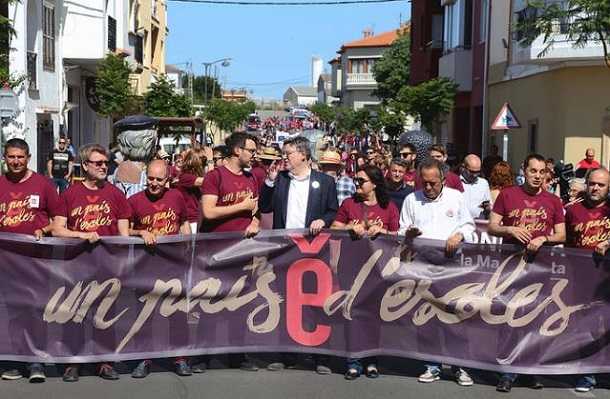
440	213
476	188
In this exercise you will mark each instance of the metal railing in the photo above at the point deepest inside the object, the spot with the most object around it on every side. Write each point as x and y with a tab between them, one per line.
361	78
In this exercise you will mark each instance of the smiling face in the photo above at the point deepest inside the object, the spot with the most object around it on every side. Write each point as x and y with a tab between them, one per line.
96	167
397	173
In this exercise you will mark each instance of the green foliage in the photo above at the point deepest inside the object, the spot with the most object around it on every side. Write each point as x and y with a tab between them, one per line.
162	100
578	21
428	102
325	112
112	86
391	120
214	90
228	115
6	34
392	70
349	120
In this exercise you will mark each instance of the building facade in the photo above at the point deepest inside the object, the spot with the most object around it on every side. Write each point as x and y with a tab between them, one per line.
300	96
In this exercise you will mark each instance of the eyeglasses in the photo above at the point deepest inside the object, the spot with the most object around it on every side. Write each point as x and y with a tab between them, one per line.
287	154
406	154
359	181
252	151
62	142
99	164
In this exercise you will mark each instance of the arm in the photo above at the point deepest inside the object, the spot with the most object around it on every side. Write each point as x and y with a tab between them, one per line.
198	182
148	237
211	211
406	219
70	169
50	167
59	229
185	228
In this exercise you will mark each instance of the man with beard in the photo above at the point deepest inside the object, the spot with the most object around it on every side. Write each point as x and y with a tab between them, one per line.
476	188
529	216
408	153
439	213
92	209
28	201
397	188
588	226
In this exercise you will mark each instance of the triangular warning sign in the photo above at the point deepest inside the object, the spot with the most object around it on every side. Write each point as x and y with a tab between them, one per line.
506	119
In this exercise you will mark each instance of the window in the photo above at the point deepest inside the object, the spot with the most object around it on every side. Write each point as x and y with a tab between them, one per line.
48	37
532	138
467	32
111	34
484	21
133	15
139	49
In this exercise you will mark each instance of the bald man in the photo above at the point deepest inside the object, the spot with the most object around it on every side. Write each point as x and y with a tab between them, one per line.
476	188
587	163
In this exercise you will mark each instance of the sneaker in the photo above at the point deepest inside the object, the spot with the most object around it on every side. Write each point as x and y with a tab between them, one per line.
13	374
430	375
199	368
37	373
248	365
463	379
584	384
70	374
504	385
371	371
352	373
107	372
276	366
182	368
142	370
323	370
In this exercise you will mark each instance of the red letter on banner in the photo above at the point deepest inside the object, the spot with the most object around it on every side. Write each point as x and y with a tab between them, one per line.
296	299
310	248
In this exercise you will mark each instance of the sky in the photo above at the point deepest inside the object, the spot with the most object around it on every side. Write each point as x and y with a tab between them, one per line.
270	46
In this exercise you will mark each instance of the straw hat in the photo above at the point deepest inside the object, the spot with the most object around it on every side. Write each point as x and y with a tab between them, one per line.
330	158
269	153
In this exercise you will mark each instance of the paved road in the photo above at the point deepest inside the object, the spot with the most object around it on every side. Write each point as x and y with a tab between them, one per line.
297	384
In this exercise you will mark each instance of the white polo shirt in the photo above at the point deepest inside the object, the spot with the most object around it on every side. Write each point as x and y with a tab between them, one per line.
437	219
475	194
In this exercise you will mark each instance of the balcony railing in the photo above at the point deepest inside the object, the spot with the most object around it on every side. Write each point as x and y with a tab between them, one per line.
361	79
32	78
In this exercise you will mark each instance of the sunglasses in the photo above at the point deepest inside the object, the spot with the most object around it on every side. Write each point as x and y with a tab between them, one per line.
359	181
98	163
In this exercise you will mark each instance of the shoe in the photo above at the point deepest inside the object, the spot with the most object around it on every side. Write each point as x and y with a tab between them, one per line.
199	368
70	374
463	379
371	371
584	384
183	369
142	370
430	375
12	374
323	370
352	373
504	385
276	366
248	365
108	372
37	373
535	382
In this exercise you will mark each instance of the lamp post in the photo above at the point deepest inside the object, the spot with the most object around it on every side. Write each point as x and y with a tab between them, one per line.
225	62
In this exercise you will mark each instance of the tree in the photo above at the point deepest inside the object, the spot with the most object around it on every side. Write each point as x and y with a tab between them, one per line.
325	112
228	115
428	102
214	90
577	21
391	120
393	69
112	86
162	100
7	32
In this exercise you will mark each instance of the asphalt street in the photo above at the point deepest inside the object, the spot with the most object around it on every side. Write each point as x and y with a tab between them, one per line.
398	380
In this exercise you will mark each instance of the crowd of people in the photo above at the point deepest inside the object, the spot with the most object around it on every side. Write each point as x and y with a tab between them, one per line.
357	185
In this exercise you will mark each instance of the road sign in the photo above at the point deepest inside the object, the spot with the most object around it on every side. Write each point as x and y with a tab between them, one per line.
506	119
9	103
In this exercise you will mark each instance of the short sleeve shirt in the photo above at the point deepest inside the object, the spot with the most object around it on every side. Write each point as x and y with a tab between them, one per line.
351	211
587	227
191	194
27	206
162	216
59	163
95	210
537	213
231	189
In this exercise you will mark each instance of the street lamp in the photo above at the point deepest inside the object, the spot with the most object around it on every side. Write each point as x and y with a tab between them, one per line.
225	62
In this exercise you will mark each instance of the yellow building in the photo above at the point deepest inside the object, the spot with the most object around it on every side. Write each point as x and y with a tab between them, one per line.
560	99
148	21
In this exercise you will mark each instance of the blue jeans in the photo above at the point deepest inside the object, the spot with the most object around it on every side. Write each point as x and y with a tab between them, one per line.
357	363
60	183
436	368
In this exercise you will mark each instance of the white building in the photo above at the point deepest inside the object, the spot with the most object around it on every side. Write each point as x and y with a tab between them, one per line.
175	75
301	95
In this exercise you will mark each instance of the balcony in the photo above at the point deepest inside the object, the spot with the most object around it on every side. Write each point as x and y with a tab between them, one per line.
361	79
31	71
457	65
561	51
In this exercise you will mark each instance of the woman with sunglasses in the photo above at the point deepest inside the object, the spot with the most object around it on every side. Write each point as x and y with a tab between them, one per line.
368	213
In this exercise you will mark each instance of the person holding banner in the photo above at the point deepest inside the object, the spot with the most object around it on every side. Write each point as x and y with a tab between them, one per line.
369	212
437	212
528	216
92	209
588	226
28	201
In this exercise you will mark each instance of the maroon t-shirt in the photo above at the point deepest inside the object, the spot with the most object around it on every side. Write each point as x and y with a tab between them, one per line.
351	211
537	213
27	206
587	227
230	189
95	210
163	216
409	177
260	173
192	196
451	180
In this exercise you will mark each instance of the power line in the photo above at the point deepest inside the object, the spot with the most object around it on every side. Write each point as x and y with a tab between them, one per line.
293	80
286	3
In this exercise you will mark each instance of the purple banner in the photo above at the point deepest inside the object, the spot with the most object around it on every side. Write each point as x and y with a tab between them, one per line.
487	307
